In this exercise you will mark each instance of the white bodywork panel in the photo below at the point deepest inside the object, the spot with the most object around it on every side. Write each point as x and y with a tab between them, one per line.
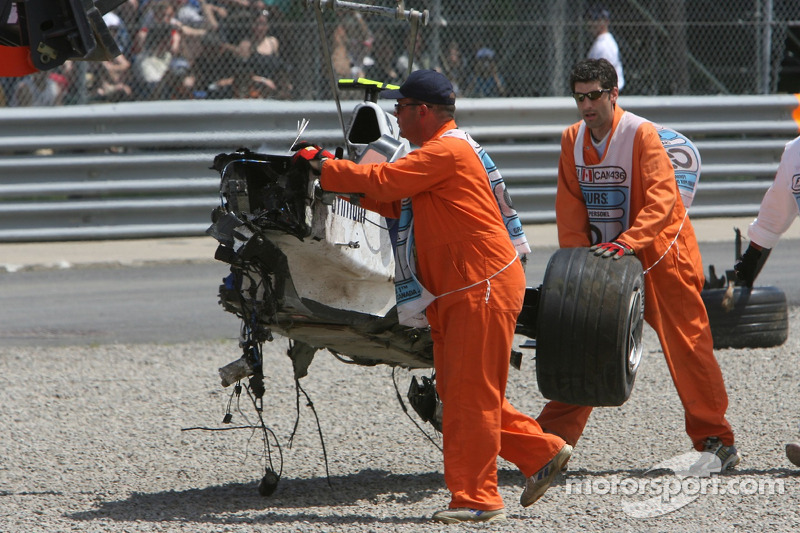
351	267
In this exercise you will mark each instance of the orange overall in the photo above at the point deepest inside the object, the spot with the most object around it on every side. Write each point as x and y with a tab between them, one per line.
673	305
460	240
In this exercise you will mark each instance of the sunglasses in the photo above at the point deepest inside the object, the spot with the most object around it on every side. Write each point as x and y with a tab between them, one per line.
398	107
592	95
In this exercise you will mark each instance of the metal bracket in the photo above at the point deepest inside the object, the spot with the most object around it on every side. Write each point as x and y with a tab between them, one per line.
56	31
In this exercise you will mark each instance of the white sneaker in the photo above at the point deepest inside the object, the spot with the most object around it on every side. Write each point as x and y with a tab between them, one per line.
716	458
463	514
537	484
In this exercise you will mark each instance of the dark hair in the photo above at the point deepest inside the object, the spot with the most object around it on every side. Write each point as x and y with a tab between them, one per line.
159	34
597	12
593	70
444	111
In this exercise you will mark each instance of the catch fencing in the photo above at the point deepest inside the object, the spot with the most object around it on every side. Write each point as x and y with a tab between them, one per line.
510	48
142	169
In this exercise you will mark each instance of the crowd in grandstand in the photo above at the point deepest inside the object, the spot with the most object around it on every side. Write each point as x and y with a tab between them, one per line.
217	49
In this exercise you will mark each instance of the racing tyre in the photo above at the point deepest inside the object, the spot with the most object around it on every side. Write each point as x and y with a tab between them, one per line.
591	316
759	317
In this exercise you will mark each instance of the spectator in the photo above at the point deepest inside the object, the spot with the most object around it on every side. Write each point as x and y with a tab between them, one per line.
189	13
153	62
248	54
277	7
237	28
159	13
212	14
210	68
454	66
283	80
192	20
352	42
70	79
109	79
176	84
119	30
244	81
37	89
486	81
341	59
604	45
264	43
379	65
196	20
129	14
422	58
234	7
264	52
200	15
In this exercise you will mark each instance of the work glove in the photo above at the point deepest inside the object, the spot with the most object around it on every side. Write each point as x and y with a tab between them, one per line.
615	249
311	155
747	265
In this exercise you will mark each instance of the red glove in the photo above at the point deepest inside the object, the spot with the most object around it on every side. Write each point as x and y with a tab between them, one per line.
615	249
311	156
309	152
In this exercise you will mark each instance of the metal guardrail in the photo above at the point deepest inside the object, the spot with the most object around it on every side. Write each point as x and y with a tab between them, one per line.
142	169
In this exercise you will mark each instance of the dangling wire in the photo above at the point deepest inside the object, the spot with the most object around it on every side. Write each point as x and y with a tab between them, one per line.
262	425
237	389
298	390
266	432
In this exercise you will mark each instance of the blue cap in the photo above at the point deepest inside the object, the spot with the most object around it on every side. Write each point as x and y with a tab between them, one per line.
485	53
598	12
426	86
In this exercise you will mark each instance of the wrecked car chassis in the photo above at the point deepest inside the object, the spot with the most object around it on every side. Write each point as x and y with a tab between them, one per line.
309	266
317	269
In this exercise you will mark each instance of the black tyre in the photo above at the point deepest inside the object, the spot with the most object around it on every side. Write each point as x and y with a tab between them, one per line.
759	317
591	316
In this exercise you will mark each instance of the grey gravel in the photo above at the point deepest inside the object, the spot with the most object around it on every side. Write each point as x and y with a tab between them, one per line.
92	440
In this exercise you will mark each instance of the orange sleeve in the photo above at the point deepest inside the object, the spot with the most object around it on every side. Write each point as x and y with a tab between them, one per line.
386	209
453	204
388	182
654	192
572	217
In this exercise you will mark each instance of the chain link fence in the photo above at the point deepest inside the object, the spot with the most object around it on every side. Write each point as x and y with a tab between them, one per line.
221	49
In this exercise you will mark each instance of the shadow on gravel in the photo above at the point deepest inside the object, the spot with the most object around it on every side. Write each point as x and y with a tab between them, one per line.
769	472
215	504
639	473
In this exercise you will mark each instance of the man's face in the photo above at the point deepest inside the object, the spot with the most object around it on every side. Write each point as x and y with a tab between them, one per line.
596	27
597	114
407	113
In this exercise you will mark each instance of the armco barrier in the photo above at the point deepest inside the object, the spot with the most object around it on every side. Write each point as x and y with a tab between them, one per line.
142	169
